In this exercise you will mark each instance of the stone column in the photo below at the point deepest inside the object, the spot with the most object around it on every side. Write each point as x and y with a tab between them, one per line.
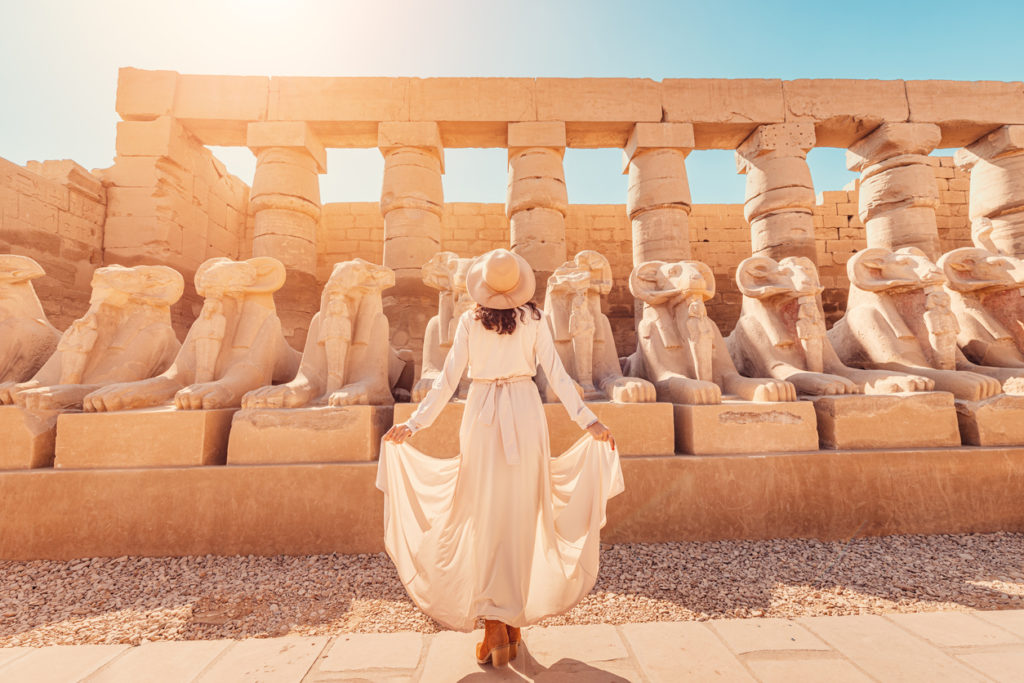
412	199
996	163
536	201
658	199
898	195
285	204
779	203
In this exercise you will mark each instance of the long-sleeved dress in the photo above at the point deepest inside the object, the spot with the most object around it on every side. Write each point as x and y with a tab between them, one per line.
502	531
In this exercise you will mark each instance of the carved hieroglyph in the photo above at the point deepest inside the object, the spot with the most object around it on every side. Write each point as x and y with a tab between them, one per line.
781	333
583	333
996	163
234	346
445	272
680	349
125	335
27	338
898	318
347	353
986	292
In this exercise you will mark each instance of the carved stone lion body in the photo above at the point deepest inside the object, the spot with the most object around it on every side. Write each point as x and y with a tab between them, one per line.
781	333
445	272
27	338
234	346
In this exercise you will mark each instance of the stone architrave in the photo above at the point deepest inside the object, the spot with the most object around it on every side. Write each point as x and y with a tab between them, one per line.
445	272
285	204
898	194
898	318
658	200
126	335
411	201
996	163
27	338
537	202
583	333
779	203
781	333
986	292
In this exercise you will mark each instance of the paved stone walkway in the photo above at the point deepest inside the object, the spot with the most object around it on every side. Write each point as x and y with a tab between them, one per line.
929	647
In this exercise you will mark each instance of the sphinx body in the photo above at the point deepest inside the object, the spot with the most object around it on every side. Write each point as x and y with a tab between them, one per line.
234	346
125	335
27	338
347	356
583	334
781	333
986	292
898	318
445	272
679	349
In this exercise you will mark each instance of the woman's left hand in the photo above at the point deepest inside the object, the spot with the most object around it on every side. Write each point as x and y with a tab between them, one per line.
398	434
601	433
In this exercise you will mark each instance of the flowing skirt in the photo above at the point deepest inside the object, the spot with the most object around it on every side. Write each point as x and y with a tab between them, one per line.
474	536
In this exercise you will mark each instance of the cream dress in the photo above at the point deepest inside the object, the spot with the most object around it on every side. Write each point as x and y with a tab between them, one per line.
502	531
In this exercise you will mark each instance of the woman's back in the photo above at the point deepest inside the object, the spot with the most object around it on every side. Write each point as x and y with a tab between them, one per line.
493	355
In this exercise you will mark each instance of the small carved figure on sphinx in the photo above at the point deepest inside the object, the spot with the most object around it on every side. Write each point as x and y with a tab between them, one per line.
234	346
583	334
27	338
898	318
347	359
679	348
445	272
781	333
125	335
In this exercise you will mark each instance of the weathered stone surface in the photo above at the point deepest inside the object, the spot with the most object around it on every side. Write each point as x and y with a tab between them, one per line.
353	652
907	420
264	436
218	109
995	421
745	427
669	652
155	437
60	663
143	95
965	110
744	636
723	112
28	439
844	110
954	629
175	660
296	135
268	660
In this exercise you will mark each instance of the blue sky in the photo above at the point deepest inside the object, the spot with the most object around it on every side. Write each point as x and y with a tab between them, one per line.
60	61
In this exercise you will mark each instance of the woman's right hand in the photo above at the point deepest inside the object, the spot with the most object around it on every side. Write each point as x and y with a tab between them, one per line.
398	434
601	433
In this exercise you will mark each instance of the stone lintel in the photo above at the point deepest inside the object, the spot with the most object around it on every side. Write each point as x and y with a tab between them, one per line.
522	136
890	140
295	135
648	136
1003	141
797	138
426	135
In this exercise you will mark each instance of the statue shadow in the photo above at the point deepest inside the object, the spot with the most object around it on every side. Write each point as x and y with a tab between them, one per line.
525	667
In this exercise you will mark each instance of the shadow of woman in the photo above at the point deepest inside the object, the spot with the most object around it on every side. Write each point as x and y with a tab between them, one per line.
525	667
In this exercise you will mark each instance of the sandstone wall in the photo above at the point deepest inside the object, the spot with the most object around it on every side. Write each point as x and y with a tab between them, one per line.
53	212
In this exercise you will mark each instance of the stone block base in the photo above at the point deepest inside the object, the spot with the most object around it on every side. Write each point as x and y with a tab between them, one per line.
638	428
26	440
996	421
906	420
154	437
745	427
319	434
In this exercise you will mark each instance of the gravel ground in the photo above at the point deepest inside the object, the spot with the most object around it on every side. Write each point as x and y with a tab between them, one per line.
133	600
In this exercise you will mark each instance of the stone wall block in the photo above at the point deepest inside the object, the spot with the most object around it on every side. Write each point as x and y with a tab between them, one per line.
145	95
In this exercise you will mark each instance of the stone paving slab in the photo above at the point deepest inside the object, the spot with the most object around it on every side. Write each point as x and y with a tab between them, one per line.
941	646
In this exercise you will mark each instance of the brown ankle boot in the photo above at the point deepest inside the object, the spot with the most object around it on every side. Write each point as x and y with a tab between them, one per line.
514	638
495	646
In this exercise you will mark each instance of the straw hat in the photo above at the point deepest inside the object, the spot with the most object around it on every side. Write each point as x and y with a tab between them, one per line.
500	279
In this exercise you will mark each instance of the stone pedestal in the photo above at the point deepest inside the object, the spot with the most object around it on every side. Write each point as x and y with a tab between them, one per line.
745	427
320	434
638	428
905	420
996	421
27	440
154	437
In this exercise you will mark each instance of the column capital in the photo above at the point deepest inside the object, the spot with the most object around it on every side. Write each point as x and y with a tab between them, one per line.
1003	141
785	139
294	135
649	136
891	140
425	135
547	134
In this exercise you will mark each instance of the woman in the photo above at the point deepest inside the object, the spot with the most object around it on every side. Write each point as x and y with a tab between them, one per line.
502	531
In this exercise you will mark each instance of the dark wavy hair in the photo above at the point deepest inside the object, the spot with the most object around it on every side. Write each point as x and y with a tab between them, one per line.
503	320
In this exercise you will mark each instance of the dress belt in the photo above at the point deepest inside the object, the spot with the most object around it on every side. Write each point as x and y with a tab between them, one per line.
491	412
